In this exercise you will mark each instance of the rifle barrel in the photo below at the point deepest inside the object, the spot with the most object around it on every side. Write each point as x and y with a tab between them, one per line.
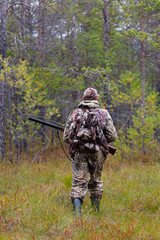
47	124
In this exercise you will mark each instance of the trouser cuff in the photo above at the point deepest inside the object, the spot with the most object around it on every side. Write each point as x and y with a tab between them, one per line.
96	196
72	199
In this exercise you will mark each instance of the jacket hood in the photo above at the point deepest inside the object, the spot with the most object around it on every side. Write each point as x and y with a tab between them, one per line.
89	103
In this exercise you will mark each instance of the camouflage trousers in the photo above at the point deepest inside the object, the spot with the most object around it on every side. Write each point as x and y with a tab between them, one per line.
84	164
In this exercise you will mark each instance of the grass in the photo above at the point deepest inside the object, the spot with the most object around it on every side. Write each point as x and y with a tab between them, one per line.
35	203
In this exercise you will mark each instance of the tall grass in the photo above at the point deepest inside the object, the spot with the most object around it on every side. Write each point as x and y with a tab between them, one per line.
35	202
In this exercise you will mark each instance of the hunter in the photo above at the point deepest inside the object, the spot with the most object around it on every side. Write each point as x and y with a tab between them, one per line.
88	130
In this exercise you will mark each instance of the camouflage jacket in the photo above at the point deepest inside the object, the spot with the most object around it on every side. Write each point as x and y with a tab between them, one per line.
109	129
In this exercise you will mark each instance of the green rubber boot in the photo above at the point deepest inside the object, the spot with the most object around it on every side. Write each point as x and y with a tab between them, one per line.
77	206
95	203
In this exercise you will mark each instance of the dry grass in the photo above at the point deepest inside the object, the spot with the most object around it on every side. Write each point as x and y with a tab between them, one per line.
35	202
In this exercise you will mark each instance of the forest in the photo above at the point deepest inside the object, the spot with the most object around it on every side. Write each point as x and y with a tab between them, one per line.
51	51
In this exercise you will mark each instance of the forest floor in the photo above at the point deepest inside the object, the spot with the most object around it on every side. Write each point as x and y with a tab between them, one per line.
35	202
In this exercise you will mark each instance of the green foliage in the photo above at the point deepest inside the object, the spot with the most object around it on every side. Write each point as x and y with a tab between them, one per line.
73	31
140	135
145	124
33	88
127	89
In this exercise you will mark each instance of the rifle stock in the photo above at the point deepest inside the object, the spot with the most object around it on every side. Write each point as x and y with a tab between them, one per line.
112	149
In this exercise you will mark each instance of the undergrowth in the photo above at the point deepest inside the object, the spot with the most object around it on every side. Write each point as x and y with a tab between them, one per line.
35	202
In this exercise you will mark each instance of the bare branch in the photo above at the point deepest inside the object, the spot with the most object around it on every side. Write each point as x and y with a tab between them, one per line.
19	41
16	3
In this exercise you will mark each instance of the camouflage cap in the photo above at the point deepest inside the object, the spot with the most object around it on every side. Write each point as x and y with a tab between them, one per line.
90	93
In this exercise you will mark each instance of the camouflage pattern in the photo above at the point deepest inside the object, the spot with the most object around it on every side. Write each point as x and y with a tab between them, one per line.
104	116
90	93
85	162
82	165
86	130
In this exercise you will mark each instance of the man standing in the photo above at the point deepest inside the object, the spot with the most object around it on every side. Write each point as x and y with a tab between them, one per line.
88	130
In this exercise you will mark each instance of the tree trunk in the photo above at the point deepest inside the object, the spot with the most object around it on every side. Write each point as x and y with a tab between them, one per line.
143	65
3	28
3	47
75	53
143	79
43	130
29	18
10	101
106	24
41	32
75	94
157	78
2	120
30	28
106	47
23	25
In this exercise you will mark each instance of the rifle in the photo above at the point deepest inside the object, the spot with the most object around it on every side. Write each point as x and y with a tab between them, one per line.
112	149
